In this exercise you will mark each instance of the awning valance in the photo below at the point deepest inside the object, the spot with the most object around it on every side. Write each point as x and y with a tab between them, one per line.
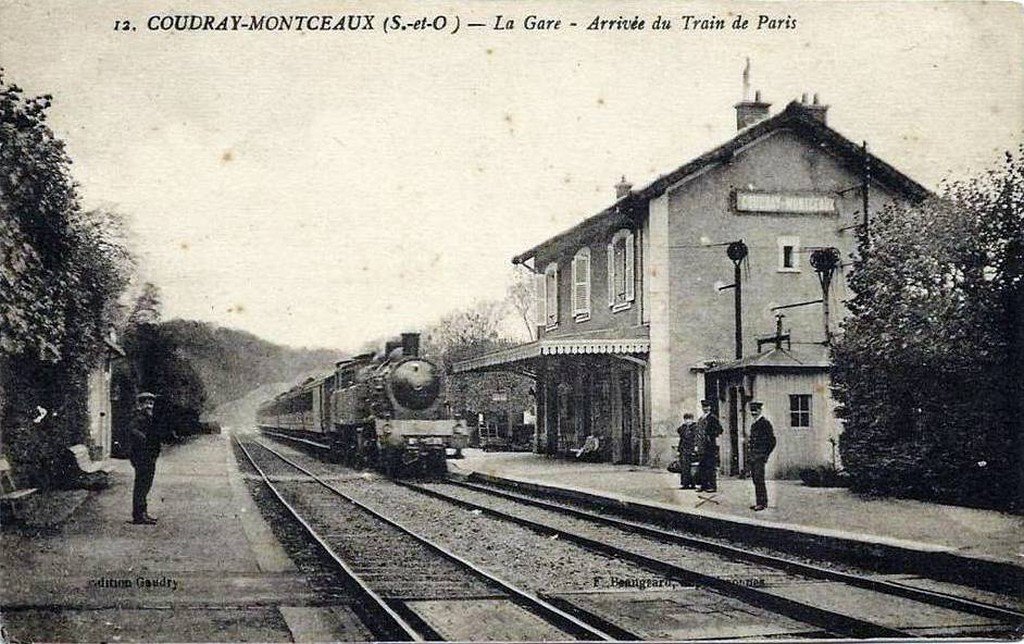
551	347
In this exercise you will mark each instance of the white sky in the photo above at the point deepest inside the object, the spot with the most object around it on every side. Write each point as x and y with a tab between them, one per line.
323	189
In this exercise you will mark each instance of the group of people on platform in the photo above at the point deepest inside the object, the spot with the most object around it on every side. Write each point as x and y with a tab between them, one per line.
698	442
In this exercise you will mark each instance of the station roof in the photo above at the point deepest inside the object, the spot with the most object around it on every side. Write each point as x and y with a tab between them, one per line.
635	340
814	357
794	117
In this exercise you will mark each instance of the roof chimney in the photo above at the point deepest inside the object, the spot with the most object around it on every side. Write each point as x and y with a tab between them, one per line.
623	188
815	110
750	112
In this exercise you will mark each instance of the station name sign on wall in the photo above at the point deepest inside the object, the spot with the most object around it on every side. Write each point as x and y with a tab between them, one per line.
785	202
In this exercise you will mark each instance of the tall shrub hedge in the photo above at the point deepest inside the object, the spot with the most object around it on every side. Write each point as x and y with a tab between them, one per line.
928	369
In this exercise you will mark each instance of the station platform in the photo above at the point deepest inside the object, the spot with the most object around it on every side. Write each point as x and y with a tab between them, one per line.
73	568
957	534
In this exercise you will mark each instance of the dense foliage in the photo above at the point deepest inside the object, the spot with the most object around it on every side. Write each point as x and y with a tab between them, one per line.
61	273
198	368
928	368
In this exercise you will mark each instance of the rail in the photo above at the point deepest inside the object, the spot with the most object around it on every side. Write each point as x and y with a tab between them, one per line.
835	622
541	607
932	597
394	627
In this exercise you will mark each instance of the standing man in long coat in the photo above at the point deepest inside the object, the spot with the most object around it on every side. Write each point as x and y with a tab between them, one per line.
144	439
709	429
762	442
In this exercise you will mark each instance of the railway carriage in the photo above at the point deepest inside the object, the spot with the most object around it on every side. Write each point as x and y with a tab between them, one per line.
382	410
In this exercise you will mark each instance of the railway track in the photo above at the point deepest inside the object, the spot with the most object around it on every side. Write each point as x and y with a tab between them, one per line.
806	600
839	603
408	588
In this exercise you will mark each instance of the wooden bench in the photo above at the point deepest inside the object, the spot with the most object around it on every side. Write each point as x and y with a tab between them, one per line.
86	464
9	492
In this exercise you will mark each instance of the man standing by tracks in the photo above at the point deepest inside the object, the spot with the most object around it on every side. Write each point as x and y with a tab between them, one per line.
762	442
144	439
687	444
708	430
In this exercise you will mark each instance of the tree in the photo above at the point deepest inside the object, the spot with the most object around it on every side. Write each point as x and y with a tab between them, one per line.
465	333
468	333
522	298
928	368
146	309
61	272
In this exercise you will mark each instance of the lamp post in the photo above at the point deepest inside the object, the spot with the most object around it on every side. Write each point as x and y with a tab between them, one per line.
825	261
737	252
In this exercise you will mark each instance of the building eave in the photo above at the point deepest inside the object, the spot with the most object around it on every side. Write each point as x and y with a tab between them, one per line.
795	116
565	345
776	359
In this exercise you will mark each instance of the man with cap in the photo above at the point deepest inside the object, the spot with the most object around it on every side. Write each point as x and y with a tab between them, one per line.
144	439
687	446
708	431
762	442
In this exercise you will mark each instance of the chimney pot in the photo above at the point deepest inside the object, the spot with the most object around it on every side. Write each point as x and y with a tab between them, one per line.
817	111
748	113
803	98
623	188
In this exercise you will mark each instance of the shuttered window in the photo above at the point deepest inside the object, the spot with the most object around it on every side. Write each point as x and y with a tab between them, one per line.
621	270
551	295
581	285
540	313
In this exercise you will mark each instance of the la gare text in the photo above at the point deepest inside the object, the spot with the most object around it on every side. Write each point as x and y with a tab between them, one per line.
761	22
452	23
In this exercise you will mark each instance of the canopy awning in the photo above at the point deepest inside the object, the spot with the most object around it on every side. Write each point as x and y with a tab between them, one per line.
567	345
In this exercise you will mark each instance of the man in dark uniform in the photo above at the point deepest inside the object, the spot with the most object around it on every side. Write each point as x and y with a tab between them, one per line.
687	439
708	429
762	442
145	448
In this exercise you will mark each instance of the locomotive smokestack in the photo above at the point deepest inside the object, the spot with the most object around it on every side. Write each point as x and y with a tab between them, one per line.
410	344
390	346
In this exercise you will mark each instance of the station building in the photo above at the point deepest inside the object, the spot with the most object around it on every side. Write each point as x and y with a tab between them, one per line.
637	310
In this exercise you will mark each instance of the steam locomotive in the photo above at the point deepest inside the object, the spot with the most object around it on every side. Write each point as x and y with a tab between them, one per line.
382	410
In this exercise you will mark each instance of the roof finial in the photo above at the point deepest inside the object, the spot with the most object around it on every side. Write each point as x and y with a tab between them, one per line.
746	80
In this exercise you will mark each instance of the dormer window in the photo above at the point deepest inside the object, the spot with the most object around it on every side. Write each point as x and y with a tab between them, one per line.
581	285
621	270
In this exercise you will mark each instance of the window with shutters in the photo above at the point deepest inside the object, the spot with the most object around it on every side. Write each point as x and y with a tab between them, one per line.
581	285
621	270
540	315
551	296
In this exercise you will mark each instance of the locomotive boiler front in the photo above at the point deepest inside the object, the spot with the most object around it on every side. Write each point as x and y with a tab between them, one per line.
414	383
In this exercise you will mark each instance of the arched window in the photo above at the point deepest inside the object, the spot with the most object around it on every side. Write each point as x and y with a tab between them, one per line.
621	270
581	285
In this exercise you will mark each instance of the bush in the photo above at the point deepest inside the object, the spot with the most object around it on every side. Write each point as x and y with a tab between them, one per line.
824	476
927	372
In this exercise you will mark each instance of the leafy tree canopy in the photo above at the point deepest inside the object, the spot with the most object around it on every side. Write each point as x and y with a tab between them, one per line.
928	368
